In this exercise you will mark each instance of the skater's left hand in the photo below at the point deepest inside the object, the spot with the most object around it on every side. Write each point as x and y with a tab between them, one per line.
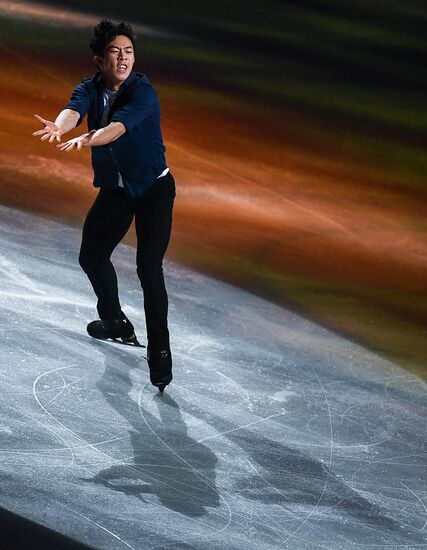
78	142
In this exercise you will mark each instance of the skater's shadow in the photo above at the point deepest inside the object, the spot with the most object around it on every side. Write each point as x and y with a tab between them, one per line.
183	480
280	475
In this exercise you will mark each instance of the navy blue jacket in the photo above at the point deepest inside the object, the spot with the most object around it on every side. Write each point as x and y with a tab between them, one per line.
139	154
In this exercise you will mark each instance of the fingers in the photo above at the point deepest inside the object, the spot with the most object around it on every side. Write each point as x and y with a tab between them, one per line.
41	119
47	124
67	146
46	134
39	132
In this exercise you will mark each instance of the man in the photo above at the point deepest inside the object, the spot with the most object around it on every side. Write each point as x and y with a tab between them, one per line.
130	168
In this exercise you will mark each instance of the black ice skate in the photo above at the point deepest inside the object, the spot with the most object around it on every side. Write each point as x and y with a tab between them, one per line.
120	330
160	364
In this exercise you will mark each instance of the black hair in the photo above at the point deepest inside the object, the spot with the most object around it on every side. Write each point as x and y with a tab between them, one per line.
105	32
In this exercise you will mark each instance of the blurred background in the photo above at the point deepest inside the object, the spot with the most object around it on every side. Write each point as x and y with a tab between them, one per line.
296	132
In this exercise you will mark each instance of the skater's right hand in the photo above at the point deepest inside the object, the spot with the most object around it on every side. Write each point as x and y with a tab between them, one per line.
50	130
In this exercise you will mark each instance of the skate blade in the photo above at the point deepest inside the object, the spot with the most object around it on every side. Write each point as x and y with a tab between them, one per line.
129	341
161	388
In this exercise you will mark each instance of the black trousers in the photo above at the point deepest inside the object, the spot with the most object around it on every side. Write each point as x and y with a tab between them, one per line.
107	222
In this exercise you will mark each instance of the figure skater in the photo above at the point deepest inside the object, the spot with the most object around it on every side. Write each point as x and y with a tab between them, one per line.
128	159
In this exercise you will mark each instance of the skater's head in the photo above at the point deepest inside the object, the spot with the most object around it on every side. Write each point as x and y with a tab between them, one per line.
114	51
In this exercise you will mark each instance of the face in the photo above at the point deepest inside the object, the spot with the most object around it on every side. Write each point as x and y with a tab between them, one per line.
117	62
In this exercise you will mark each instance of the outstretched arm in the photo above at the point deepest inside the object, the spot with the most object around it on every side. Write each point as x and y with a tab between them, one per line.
65	121
102	136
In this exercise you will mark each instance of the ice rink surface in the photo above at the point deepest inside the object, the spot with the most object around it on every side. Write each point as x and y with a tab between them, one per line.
274	433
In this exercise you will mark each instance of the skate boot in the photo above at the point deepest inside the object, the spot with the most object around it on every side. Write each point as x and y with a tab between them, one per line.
160	364
114	329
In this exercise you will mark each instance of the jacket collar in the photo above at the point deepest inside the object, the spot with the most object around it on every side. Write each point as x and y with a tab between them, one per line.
98	80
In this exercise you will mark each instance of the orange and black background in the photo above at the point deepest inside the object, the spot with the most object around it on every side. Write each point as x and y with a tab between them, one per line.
296	132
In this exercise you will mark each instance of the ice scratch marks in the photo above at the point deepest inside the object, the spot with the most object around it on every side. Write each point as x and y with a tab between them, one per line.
238	428
212	347
99	525
371	423
314	423
47	427
63	387
42	297
66	385
44	408
239	389
291	534
80	439
197	472
80	314
11	271
422	504
331	447
196	345
282	395
132	470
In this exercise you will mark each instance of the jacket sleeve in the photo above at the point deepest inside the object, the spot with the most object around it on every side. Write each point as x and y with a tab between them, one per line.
139	105
80	101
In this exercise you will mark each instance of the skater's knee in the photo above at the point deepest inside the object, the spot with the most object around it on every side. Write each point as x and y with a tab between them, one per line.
148	271
84	261
91	264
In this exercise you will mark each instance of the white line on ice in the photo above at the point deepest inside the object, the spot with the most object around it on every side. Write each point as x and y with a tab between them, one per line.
98	525
422	504
205	478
